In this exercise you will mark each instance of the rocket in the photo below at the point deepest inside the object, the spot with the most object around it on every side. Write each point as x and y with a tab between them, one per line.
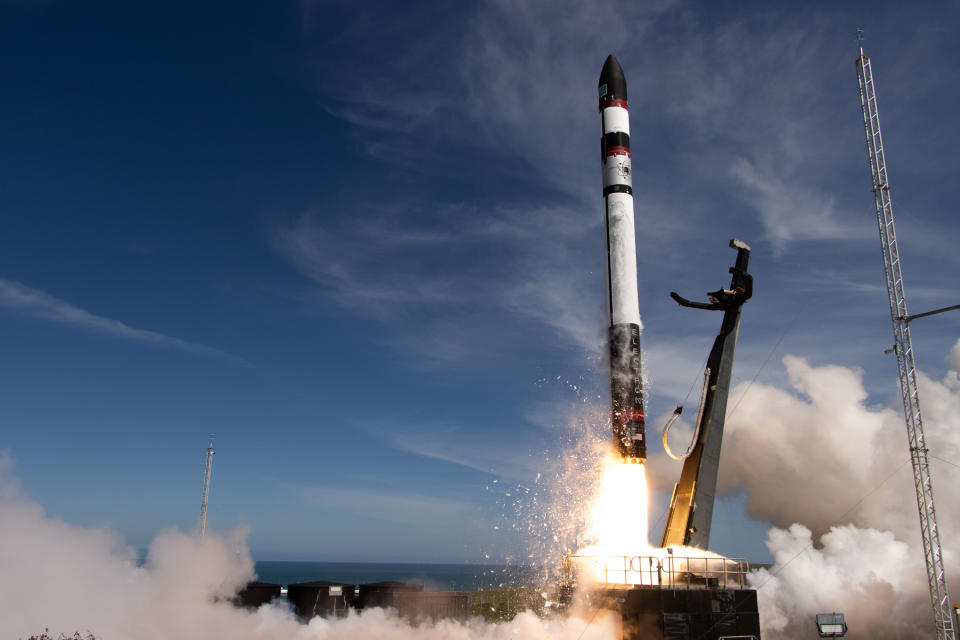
626	383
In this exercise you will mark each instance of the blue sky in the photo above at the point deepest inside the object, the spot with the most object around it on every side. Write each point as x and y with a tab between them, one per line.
362	244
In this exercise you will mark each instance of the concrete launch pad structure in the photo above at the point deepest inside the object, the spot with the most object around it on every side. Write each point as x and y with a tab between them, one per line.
687	613
671	597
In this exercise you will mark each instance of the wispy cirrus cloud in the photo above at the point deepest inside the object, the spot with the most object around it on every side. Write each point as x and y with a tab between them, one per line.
791	210
466	447
39	304
689	81
447	279
741	125
360	267
501	86
398	507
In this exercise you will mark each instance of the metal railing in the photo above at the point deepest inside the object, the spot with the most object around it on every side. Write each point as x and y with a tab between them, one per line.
668	571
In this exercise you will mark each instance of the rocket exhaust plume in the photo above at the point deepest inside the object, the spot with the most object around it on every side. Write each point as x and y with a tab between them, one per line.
626	384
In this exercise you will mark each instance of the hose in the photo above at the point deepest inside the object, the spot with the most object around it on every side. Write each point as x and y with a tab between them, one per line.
676	414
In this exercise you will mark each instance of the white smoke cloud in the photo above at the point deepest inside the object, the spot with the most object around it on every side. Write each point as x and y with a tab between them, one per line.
844	460
820	439
877	581
820	454
66	578
953	362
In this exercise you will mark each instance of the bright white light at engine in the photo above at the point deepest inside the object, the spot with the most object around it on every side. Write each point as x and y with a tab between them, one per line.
619	514
619	552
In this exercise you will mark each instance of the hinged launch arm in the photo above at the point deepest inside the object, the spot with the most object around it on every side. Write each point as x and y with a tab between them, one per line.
691	507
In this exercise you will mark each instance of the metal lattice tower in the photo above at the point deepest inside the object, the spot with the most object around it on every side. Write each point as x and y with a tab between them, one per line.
206	489
903	349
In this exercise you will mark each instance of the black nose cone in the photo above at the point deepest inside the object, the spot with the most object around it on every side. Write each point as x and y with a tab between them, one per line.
612	85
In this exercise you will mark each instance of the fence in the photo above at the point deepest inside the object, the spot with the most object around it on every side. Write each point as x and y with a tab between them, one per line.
667	571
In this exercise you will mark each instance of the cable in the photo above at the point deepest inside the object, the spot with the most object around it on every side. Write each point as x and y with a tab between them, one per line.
765	362
694	383
596	611
773	574
834	521
952	464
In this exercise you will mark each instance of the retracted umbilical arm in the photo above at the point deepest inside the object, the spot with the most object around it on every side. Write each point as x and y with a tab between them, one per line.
691	507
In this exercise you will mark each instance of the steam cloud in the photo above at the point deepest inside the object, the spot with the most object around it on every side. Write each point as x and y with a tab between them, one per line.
69	578
819	455
828	470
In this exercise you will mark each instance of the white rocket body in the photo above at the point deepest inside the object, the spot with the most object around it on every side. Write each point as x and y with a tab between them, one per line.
626	384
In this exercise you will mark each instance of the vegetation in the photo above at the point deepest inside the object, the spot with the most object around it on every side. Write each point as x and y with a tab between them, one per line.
76	636
498	605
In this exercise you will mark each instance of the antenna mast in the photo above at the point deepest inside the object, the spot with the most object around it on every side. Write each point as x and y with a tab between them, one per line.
903	349
206	488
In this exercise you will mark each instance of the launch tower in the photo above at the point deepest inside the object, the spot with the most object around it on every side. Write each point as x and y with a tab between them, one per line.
903	349
208	470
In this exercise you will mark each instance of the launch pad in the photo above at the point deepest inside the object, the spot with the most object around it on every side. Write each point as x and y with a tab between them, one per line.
680	614
669	597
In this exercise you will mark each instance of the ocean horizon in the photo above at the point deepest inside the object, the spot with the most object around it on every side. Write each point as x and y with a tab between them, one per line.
433	577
